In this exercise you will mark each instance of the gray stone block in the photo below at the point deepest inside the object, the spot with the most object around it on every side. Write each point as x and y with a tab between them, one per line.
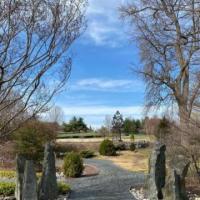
20	166
30	182
48	184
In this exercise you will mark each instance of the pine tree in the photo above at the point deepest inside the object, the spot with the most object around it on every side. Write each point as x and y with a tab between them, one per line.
117	124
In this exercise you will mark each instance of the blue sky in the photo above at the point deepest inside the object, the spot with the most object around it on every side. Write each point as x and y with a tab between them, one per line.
101	81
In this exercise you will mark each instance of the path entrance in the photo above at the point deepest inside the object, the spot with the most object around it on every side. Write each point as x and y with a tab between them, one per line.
112	183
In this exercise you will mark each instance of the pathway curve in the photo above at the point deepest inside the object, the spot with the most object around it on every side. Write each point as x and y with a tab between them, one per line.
112	183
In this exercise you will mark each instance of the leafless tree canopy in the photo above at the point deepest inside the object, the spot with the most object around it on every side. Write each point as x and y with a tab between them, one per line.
35	37
168	32
55	115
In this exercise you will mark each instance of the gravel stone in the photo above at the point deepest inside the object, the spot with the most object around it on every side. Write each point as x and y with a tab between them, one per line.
112	183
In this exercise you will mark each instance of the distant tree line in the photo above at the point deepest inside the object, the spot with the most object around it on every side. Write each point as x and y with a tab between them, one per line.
117	126
159	127
133	126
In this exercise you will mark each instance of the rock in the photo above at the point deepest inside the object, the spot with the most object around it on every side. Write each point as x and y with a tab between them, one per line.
138	194
175	187
20	166
48	184
141	144
8	198
30	182
157	173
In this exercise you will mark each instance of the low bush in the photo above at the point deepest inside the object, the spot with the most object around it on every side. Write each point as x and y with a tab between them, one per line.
120	146
142	144
107	148
87	154
7	189
31	138
132	137
7	174
73	165
63	188
132	146
61	150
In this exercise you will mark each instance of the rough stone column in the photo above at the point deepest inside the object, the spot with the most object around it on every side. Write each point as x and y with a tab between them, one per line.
175	189
48	184
30	182
20	166
157	173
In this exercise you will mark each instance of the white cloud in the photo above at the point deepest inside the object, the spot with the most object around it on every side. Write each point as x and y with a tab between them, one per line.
95	115
110	85
102	110
104	25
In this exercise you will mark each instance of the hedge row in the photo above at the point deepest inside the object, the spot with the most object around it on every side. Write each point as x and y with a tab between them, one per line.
9	174
65	136
8	188
78	135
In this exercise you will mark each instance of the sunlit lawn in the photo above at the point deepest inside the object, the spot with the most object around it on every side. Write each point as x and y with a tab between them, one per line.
133	161
138	137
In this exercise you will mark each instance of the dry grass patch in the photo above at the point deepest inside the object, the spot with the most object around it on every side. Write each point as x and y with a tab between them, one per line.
133	161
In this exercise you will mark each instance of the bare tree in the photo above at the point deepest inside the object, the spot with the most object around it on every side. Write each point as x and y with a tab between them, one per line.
55	115
150	125
168	33
108	123
35	61
190	151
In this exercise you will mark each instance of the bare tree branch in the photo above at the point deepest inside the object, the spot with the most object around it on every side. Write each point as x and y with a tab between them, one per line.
35	61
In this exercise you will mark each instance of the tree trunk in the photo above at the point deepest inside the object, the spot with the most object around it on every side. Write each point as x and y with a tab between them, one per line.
184	117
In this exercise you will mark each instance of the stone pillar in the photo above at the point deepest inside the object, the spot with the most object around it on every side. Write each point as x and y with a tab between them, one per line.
20	166
48	184
30	182
175	189
157	173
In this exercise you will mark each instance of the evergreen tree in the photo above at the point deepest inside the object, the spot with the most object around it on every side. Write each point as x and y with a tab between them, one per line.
129	126
117	124
75	125
163	129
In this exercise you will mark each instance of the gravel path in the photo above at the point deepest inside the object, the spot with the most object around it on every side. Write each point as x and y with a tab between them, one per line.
112	183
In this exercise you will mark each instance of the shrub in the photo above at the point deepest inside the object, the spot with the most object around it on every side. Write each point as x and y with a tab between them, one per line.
61	150
132	146
73	165
7	174
87	154
63	188
107	148
120	146
7	189
132	137
31	138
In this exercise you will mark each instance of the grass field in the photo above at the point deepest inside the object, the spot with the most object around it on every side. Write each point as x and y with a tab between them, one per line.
90	138
133	161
